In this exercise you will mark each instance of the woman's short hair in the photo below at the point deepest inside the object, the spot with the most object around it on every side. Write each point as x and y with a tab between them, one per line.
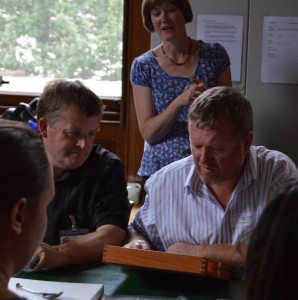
272	261
148	5
25	166
58	94
223	102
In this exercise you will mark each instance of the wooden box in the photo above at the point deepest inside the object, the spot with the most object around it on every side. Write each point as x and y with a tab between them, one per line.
163	261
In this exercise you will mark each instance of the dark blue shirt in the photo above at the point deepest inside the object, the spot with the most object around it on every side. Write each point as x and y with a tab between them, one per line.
95	194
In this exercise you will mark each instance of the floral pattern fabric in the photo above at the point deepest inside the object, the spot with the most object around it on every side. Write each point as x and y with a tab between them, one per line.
145	71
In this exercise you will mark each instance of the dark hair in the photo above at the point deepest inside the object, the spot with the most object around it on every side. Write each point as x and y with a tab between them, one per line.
58	94
24	164
148	5
221	103
272	261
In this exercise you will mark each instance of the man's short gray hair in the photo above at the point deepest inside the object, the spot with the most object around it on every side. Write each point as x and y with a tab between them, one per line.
223	103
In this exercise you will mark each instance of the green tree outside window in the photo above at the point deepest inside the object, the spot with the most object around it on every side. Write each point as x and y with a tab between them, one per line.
62	38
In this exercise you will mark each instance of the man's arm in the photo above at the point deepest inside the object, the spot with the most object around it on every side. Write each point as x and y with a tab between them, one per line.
229	254
136	240
85	249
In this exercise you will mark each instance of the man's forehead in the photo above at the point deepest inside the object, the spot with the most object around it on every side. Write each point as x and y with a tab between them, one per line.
212	124
221	130
77	119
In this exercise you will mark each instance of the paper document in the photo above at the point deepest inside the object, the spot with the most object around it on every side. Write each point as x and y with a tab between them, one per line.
71	291
280	55
226	30
105	297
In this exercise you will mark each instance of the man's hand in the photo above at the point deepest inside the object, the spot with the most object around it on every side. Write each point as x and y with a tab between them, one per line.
46	256
138	244
87	248
136	240
229	254
185	248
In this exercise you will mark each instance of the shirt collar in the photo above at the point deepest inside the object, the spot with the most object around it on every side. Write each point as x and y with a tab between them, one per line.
193	180
251	162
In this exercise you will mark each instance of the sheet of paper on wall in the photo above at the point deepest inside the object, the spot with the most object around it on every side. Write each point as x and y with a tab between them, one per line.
226	30
279	53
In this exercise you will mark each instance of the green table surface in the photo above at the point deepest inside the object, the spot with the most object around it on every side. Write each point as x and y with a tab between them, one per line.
119	281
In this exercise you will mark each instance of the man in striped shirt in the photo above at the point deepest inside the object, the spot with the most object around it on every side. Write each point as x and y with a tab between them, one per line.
208	203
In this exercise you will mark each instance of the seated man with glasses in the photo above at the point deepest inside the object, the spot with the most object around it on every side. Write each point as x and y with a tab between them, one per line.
90	207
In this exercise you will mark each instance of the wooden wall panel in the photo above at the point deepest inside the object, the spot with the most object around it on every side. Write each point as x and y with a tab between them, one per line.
139	42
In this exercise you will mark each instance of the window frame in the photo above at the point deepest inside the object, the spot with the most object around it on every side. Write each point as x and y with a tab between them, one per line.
119	130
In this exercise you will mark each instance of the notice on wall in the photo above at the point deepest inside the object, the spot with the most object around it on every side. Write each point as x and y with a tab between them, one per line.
226	30
280	50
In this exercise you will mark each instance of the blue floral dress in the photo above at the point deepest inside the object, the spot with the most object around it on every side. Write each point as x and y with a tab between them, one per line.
145	71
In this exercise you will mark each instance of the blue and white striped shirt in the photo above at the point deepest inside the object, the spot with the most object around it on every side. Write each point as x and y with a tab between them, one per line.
180	208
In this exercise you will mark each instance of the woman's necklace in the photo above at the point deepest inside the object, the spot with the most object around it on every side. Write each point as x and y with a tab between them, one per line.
187	57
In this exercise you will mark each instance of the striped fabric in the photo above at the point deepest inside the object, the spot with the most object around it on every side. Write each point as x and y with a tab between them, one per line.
180	208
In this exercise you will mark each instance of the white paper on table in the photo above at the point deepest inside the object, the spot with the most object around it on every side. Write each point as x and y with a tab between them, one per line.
71	291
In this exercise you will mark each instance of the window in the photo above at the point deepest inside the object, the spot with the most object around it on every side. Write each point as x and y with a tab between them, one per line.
74	39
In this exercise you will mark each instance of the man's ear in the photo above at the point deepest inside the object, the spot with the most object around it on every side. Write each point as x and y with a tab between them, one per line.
18	215
43	126
248	141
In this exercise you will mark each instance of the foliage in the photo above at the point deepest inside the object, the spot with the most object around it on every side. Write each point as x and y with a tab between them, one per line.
62	38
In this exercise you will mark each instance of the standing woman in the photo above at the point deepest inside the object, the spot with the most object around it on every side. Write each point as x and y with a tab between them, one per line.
167	79
26	188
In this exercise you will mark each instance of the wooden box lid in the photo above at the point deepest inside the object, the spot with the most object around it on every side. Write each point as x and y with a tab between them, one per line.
155	260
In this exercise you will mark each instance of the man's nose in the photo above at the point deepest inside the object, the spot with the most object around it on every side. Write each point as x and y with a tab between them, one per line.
205	155
82	142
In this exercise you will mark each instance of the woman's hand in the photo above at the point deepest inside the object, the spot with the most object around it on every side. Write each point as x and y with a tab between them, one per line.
190	94
154	127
